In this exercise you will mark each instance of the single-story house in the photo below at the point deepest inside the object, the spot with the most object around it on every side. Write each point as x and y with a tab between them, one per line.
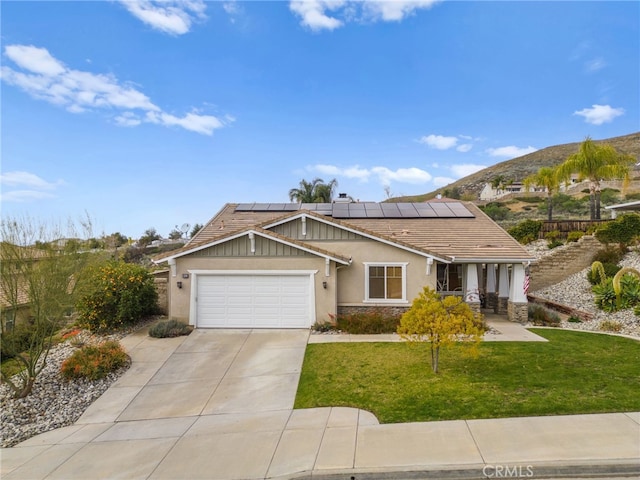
623	207
290	265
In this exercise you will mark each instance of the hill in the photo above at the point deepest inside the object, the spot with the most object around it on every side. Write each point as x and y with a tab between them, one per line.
519	168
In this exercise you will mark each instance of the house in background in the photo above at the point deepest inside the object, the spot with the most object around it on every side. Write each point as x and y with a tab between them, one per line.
623	208
289	265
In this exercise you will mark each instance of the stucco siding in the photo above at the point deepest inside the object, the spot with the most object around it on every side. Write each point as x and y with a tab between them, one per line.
351	279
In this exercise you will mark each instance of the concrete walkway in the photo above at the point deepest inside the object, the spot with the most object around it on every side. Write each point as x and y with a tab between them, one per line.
218	404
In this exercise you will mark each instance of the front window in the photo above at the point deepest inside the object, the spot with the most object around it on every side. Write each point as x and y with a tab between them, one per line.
449	278
385	282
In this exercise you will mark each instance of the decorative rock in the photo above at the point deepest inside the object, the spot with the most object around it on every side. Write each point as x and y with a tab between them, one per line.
53	402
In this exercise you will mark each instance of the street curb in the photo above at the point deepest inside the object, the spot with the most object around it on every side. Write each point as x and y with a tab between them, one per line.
624	469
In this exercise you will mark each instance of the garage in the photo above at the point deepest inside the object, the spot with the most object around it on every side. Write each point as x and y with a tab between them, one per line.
254	300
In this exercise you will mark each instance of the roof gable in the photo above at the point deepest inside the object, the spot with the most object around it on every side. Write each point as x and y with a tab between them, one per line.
254	242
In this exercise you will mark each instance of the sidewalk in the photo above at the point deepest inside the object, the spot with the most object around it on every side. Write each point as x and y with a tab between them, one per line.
234	419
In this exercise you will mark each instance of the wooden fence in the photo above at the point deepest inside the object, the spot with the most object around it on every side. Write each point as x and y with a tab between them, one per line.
566	226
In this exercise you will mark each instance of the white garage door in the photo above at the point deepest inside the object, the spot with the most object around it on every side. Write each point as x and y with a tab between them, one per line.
253	301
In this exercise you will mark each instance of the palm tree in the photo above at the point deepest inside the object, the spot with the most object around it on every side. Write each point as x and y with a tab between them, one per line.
546	177
315	191
594	163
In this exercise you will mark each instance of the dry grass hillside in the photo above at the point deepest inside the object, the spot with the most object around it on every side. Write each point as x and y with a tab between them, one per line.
519	168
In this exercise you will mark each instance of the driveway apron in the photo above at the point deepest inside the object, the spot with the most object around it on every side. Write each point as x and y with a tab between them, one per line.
210	405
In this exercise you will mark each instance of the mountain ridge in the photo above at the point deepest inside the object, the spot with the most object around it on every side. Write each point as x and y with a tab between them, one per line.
518	168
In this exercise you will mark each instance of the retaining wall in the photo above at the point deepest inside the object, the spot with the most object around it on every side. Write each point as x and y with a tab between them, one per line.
564	262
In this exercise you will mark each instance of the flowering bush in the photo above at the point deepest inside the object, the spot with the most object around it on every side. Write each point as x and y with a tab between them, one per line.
94	361
116	294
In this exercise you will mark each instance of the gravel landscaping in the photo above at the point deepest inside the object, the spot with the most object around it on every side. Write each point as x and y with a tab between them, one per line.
56	403
575	292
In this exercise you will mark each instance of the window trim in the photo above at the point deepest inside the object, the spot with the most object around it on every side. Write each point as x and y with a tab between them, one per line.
367	265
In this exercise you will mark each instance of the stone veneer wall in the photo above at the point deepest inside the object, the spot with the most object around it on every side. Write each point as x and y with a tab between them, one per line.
385	310
501	305
518	312
564	262
161	285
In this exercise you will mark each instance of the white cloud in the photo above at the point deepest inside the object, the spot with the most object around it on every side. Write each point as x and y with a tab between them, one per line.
13	179
128	119
21	196
385	175
312	13
332	14
36	187
599	114
510	151
45	78
411	175
442	181
439	142
595	64
465	169
37	60
395	10
169	16
204	124
464	148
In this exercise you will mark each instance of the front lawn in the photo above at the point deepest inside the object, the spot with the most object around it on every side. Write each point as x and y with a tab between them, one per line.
575	372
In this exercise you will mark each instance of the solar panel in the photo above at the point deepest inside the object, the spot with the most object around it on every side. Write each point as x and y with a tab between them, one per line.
367	209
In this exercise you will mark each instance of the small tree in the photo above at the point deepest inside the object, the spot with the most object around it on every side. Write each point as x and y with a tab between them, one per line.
42	280
149	236
547	178
440	321
196	228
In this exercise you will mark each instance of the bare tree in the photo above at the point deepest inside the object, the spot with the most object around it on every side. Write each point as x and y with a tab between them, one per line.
41	279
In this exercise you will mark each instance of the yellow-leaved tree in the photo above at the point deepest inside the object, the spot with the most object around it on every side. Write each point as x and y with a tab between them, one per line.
440	321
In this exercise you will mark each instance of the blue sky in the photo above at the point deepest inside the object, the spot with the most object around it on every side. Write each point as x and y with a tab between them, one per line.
154	114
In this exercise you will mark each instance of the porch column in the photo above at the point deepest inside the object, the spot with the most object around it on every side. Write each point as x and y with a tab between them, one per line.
492	297
517	309
472	293
503	289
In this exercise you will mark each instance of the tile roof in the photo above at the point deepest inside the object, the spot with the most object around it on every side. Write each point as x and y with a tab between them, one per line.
470	238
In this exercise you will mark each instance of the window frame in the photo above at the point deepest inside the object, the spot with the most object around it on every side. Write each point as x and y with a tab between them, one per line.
368	265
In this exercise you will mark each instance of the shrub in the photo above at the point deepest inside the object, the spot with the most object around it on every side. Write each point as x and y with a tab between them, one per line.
169	328
629	290
573	319
496	211
610	254
373	322
554	244
116	294
624	230
610	326
94	362
605	297
632	196
610	269
574	236
530	199
526	231
541	316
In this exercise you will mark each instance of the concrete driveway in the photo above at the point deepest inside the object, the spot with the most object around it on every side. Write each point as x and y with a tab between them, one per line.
218	404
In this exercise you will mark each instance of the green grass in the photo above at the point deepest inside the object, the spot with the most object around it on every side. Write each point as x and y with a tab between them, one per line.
575	372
